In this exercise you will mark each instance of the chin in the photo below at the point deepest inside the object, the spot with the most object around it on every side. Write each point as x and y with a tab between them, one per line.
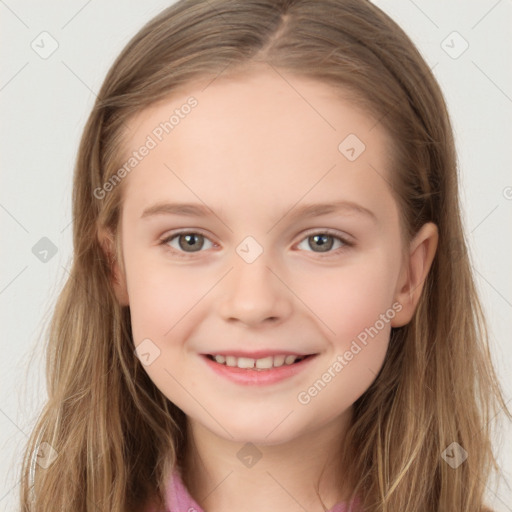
261	433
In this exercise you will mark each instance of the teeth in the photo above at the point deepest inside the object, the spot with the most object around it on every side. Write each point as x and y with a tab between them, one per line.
279	361
245	362
265	363
262	364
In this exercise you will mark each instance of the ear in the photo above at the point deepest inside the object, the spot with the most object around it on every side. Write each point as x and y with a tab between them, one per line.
106	240
414	272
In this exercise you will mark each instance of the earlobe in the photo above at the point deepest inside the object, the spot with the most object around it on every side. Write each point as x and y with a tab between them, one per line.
118	280
414	272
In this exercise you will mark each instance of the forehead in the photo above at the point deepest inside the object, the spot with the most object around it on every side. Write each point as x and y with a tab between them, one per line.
261	101
259	134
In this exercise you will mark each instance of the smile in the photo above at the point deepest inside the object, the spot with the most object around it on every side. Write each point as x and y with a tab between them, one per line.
264	363
256	372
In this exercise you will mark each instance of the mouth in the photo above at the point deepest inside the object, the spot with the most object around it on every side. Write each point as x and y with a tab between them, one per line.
262	364
264	369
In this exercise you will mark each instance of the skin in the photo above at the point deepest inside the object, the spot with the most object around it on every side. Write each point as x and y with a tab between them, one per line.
254	150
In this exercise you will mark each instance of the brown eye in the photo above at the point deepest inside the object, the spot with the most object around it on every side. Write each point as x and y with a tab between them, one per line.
191	241
322	241
187	242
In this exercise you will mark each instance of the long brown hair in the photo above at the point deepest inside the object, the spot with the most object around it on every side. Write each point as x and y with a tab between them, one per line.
116	437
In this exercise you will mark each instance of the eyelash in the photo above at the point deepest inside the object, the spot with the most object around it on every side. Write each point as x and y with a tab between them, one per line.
182	254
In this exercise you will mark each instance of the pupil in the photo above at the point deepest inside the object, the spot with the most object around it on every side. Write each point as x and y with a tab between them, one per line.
190	241
321	241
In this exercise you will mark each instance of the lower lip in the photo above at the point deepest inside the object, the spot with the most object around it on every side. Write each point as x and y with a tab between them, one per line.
253	377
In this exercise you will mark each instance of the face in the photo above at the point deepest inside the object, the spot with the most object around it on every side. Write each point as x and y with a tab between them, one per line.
290	246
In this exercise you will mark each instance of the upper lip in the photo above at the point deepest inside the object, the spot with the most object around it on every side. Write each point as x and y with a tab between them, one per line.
258	354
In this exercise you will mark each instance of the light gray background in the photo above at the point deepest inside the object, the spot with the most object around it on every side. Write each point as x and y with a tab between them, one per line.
44	105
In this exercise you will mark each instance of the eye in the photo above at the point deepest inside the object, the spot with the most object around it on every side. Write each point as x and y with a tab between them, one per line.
187	242
325	241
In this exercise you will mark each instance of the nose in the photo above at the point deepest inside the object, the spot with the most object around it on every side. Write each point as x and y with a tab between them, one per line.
254	294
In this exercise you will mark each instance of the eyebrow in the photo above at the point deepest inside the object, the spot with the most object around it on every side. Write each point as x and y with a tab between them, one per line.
307	210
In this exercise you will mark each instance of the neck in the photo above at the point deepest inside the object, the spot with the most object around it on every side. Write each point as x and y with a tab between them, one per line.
300	474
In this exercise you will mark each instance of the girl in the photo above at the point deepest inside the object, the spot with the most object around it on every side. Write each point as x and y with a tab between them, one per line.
270	305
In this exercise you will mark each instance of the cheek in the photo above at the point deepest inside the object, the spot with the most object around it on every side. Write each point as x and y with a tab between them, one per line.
356	305
349	299
162	298
165	301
